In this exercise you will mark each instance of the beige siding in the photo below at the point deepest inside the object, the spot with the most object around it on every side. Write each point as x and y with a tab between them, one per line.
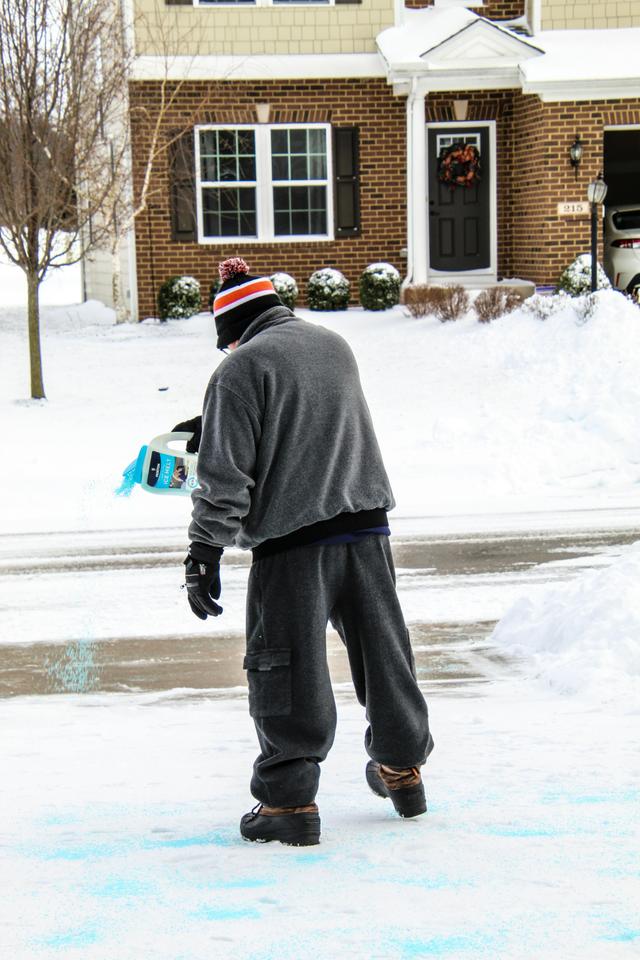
245	30
561	15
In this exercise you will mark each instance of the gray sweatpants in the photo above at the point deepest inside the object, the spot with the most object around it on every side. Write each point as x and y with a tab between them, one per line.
291	598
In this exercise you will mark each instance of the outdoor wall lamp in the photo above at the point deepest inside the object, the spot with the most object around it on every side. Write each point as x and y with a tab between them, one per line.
596	192
575	153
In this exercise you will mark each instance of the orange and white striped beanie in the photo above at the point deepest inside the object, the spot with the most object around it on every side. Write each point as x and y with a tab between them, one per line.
240	300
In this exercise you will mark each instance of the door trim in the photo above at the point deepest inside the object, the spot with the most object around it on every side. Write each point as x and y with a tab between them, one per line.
486	274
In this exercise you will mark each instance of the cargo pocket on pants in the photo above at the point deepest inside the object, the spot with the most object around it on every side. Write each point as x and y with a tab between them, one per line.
269	679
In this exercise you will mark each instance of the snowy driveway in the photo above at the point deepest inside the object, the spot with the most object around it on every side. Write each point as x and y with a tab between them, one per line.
127	771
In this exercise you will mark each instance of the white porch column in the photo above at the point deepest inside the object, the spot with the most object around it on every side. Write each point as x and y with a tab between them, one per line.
417	240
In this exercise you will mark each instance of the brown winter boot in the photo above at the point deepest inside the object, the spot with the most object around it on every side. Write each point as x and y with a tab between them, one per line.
403	786
296	826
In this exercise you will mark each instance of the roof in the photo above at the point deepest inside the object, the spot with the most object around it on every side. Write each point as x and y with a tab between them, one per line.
456	49
591	63
445	41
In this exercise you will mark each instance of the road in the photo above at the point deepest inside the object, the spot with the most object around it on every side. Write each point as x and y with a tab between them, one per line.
89	612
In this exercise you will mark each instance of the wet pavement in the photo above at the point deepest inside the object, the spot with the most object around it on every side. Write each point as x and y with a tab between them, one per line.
449	653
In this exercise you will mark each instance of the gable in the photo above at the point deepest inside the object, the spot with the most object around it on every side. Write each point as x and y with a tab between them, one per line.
480	44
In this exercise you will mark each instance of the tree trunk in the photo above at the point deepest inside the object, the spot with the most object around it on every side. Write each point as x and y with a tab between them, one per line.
116	285
35	353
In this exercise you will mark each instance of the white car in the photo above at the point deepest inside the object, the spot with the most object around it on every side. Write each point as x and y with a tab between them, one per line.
622	247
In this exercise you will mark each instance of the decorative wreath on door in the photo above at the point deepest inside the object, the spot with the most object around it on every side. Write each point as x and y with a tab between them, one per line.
459	165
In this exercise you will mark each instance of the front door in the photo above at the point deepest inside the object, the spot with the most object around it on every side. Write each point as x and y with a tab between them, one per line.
459	217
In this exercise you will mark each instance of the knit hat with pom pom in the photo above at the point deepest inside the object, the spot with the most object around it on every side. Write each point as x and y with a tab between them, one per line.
240	300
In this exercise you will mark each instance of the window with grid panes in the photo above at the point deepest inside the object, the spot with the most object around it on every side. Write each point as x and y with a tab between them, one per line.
265	182
263	3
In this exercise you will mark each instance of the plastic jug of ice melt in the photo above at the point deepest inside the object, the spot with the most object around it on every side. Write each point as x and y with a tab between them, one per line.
161	468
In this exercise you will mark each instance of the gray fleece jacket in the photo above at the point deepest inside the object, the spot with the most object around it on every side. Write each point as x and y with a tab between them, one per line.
287	438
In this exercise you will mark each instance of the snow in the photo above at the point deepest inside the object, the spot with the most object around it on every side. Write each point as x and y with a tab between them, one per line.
187	284
419	31
119	830
584	636
328	279
289	66
584	55
406	47
284	283
131	849
473	419
386	270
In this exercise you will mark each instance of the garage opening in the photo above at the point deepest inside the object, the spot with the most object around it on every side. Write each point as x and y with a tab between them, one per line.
622	209
622	166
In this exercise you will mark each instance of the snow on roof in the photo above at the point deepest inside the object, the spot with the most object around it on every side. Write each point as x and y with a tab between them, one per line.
259	67
585	55
427	35
548	63
422	30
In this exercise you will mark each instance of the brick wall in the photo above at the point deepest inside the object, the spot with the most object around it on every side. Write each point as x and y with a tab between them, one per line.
492	9
366	103
567	15
534	174
540	177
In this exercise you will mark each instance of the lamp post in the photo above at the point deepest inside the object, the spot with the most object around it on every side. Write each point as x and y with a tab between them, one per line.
596	192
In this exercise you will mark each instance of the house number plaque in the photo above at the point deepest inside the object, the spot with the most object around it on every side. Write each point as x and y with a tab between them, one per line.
577	208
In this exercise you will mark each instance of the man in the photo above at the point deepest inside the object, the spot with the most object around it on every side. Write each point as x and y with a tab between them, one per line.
290	468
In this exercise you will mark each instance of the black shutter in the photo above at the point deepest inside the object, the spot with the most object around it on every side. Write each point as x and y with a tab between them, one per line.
182	189
346	172
189	3
348	1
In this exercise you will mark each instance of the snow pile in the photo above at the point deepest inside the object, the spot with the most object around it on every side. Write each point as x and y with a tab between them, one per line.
583	636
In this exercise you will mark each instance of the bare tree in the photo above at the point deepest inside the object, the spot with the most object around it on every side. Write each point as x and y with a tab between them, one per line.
63	75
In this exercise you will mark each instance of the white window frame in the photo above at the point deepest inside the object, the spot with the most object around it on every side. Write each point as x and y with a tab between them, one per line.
264	184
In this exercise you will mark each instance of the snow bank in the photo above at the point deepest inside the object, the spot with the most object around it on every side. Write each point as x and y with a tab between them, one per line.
583	636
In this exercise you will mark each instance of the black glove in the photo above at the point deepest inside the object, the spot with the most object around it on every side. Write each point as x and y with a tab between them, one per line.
203	584
193	426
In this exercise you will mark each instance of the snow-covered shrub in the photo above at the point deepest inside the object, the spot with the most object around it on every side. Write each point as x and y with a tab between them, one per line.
576	278
379	286
585	307
179	297
453	303
495	302
286	288
544	307
328	289
420	299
